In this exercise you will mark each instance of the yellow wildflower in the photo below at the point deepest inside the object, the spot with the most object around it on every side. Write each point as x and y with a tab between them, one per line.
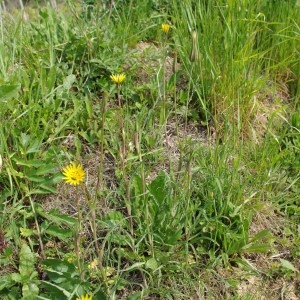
118	78
93	265
165	27
73	174
86	297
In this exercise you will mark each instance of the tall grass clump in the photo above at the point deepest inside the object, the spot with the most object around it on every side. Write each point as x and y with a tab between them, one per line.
239	47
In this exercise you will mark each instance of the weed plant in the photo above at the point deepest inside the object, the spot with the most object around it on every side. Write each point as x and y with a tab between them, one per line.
150	149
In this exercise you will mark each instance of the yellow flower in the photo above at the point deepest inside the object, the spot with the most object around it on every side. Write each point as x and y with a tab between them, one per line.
86	297
165	27
93	265
73	174
118	78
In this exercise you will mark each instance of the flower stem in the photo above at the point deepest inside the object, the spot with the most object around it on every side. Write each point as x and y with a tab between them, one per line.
38	229
78	245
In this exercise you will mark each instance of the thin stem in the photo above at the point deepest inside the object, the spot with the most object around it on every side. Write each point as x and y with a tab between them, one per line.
38	229
99	182
78	245
119	95
123	158
94	226
164	96
101	150
147	213
123	154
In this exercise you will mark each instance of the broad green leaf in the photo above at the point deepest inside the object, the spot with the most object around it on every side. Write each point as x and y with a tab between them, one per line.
59	265
54	286
151	264
6	281
137	198
62	126
114	219
46	169
287	265
25	232
16	277
137	265
89	107
33	147
256	248
135	296
27	261
42	191
28	163
30	291
68	81
8	91
24	139
58	218
119	239
262	234
51	78
37	179
158	188
62	234
100	296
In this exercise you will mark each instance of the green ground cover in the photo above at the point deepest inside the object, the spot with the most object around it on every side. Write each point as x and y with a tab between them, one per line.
150	150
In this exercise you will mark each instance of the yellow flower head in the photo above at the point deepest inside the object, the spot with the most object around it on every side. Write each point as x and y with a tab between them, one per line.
118	78
165	27
73	174
86	297
93	265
